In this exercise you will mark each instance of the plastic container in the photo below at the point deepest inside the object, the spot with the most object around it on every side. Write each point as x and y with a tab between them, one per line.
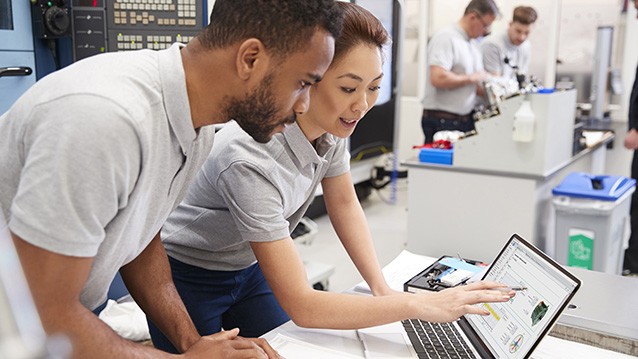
592	221
436	155
524	122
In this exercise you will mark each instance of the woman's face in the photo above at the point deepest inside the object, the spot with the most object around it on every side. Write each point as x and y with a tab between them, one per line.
348	90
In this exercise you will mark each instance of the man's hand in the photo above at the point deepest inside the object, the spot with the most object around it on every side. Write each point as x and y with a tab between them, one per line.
446	79
631	139
228	344
478	77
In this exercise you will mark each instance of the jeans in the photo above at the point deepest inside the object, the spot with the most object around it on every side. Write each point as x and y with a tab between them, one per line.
631	253
432	125
224	299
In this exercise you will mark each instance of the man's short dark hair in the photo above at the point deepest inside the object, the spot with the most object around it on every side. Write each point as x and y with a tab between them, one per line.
525	15
483	7
283	26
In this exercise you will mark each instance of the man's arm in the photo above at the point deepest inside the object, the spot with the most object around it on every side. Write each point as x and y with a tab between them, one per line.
55	282
148	278
444	79
349	221
284	271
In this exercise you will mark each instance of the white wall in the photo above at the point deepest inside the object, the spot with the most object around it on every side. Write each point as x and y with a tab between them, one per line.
576	44
579	19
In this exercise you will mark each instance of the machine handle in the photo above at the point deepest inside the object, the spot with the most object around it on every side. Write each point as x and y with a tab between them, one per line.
15	71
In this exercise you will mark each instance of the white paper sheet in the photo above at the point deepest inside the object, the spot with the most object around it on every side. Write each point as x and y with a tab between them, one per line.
405	266
291	348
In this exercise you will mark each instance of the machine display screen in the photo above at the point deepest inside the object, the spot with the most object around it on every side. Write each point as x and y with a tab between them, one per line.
6	15
87	3
383	10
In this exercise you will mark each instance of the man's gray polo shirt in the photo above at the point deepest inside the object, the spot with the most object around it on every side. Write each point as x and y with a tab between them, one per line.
249	191
452	49
94	157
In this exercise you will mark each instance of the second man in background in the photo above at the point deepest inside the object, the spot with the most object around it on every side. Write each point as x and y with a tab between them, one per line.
507	54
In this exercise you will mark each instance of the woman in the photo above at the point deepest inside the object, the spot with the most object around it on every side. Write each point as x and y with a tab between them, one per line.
233	260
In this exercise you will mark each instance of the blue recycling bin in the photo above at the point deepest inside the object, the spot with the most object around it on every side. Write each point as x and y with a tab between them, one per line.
592	220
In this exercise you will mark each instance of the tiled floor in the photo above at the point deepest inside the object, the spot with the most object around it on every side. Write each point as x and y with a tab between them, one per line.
387	224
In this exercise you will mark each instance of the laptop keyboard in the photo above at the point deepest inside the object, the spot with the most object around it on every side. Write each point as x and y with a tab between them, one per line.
436	340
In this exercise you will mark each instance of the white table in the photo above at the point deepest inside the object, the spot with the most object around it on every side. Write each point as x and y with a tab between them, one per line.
296	342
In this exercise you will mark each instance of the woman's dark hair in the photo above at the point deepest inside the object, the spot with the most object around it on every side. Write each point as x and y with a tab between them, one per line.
359	27
283	26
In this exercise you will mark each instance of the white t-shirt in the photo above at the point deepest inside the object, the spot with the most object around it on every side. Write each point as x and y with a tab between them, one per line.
452	49
94	157
497	47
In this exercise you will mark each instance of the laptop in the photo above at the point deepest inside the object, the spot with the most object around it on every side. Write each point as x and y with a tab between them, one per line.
512	330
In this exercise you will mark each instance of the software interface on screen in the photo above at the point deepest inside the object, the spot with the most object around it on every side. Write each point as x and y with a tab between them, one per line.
513	326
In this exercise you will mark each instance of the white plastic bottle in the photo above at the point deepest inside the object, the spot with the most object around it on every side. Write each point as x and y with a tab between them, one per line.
524	121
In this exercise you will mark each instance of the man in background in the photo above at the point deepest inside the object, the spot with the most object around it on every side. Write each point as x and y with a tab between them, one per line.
630	264
508	53
94	158
455	71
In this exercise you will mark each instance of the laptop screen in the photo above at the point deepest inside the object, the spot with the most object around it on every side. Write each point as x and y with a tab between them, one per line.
515	327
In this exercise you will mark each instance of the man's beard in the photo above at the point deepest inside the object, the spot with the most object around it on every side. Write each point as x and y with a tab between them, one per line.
255	113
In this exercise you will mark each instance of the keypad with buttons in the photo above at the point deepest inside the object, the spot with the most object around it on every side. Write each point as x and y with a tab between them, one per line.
152	24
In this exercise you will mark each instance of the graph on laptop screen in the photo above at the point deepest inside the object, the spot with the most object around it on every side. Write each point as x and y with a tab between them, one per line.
512	327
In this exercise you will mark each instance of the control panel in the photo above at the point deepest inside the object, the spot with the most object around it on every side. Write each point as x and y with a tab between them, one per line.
51	19
123	25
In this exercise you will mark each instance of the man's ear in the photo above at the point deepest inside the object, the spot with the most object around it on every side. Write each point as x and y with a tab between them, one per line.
251	58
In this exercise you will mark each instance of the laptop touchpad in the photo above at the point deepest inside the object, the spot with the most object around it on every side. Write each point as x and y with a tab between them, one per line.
385	345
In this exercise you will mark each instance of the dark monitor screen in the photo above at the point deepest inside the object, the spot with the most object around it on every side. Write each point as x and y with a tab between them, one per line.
374	136
6	15
88	3
383	10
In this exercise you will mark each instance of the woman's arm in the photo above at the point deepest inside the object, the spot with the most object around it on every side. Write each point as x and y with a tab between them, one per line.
349	222
284	271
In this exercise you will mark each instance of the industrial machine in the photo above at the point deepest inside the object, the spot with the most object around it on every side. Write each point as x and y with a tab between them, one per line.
121	25
531	134
17	58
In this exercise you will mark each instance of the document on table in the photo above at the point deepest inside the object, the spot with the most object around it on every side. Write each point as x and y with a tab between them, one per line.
405	266
293	348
